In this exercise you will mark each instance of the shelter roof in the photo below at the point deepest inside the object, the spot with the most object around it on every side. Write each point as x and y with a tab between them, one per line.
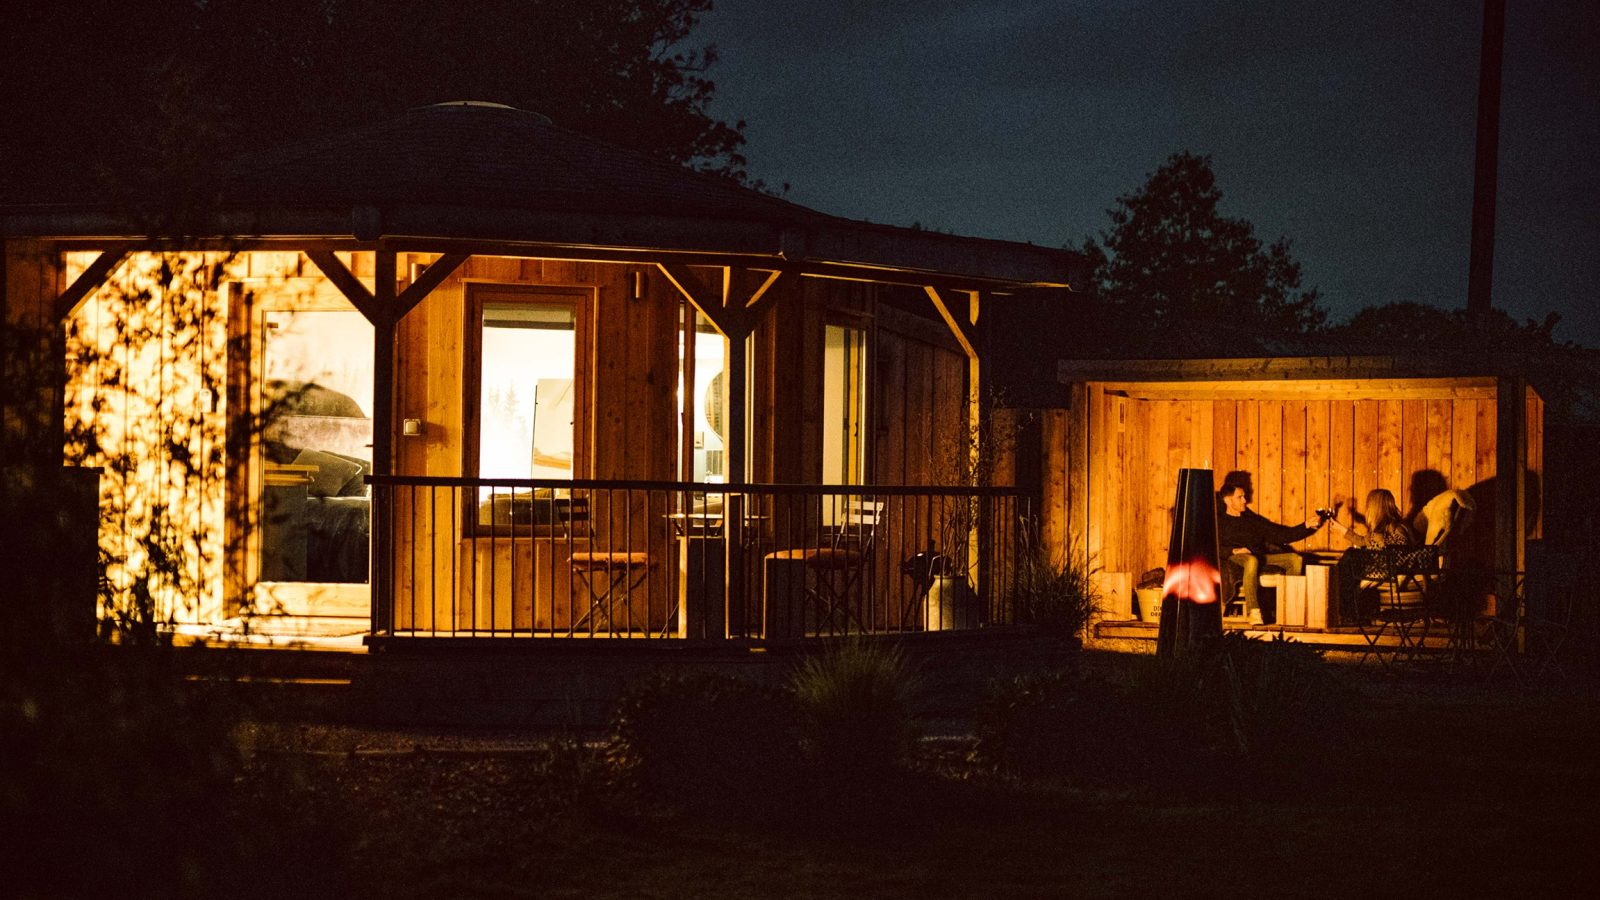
489	173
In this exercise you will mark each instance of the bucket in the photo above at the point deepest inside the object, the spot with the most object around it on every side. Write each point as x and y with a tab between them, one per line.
1149	604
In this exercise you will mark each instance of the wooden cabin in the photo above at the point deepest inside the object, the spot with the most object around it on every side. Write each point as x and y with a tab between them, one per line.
1306	432
467	374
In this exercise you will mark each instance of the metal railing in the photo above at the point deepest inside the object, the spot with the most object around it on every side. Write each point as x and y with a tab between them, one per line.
468	557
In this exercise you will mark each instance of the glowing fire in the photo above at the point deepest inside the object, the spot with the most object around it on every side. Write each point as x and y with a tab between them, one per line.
1197	581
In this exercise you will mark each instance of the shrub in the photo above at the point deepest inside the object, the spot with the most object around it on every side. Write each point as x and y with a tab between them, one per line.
114	780
703	740
1240	712
1051	725
856	702
1242	707
1286	709
569	775
1056	594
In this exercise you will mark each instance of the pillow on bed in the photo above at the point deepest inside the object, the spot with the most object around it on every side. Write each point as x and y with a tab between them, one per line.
332	473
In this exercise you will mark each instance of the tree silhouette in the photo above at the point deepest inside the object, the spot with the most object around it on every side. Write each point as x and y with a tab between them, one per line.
90	82
1174	277
1408	324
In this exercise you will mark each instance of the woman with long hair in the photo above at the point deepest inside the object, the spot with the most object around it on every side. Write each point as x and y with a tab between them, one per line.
1379	525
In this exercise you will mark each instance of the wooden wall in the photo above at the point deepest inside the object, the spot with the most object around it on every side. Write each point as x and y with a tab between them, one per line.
1111	462
916	408
919	421
626	428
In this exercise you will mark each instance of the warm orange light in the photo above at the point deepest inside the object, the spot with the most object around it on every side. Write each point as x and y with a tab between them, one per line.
1197	581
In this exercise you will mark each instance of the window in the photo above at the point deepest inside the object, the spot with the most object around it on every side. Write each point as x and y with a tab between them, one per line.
524	390
316	446
844	405
526	397
709	422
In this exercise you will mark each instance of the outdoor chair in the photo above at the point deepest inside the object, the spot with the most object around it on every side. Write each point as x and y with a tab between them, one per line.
608	577
836	570
1404	581
1526	633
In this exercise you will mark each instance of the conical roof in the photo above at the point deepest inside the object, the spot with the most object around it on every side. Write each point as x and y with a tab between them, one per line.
477	154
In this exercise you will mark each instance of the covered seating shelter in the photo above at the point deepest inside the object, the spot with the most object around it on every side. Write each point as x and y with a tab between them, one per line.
1302	431
416	224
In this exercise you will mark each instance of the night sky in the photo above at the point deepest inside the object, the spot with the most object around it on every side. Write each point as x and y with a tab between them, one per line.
1347	126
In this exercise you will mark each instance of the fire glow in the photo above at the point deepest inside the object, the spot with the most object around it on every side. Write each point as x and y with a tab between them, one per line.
1196	581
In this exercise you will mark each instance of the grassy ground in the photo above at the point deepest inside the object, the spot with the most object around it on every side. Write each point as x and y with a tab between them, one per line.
1444	790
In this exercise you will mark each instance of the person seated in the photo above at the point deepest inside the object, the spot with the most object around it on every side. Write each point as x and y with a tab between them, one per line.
1254	543
1445	515
1379	524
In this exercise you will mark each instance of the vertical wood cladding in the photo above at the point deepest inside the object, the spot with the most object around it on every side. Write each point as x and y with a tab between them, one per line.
1111	462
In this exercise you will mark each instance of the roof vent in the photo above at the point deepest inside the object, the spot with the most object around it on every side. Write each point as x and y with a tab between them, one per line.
485	104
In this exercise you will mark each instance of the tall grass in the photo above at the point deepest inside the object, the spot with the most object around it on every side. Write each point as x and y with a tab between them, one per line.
856	703
1055	592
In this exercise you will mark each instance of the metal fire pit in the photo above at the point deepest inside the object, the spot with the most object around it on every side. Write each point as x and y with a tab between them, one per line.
1191	607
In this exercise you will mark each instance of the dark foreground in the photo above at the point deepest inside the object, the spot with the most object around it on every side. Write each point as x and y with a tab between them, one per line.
1443	789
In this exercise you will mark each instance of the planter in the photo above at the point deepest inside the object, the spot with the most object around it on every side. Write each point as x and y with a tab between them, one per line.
1149	604
950	605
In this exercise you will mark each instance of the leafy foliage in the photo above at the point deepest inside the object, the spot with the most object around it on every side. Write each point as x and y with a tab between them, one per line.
1175	277
1049	725
1242	708
261	73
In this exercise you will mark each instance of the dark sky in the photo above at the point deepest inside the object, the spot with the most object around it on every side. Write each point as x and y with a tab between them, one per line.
1345	126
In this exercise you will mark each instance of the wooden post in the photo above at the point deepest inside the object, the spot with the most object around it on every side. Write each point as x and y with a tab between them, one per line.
735	317
1510	506
1486	162
686	384
980	427
384	327
384	308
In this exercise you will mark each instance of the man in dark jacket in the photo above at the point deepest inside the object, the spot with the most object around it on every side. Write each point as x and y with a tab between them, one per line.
1252	542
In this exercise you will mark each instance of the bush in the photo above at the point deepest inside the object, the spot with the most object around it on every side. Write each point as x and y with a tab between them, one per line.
1240	712
856	702
116	781
1052	725
1278	693
570	775
1240	708
703	740
1057	595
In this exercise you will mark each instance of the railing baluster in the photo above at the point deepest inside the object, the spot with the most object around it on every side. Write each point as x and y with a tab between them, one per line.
837	571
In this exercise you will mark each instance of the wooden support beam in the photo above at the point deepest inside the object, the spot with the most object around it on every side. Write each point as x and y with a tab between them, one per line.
765	289
384	329
962	327
736	317
734	320
86	283
347	283
430	278
1307	389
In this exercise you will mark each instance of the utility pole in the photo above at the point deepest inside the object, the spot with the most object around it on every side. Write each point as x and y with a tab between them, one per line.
1480	272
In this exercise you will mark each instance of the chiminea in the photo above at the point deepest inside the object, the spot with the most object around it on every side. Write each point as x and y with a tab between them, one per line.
1191	608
